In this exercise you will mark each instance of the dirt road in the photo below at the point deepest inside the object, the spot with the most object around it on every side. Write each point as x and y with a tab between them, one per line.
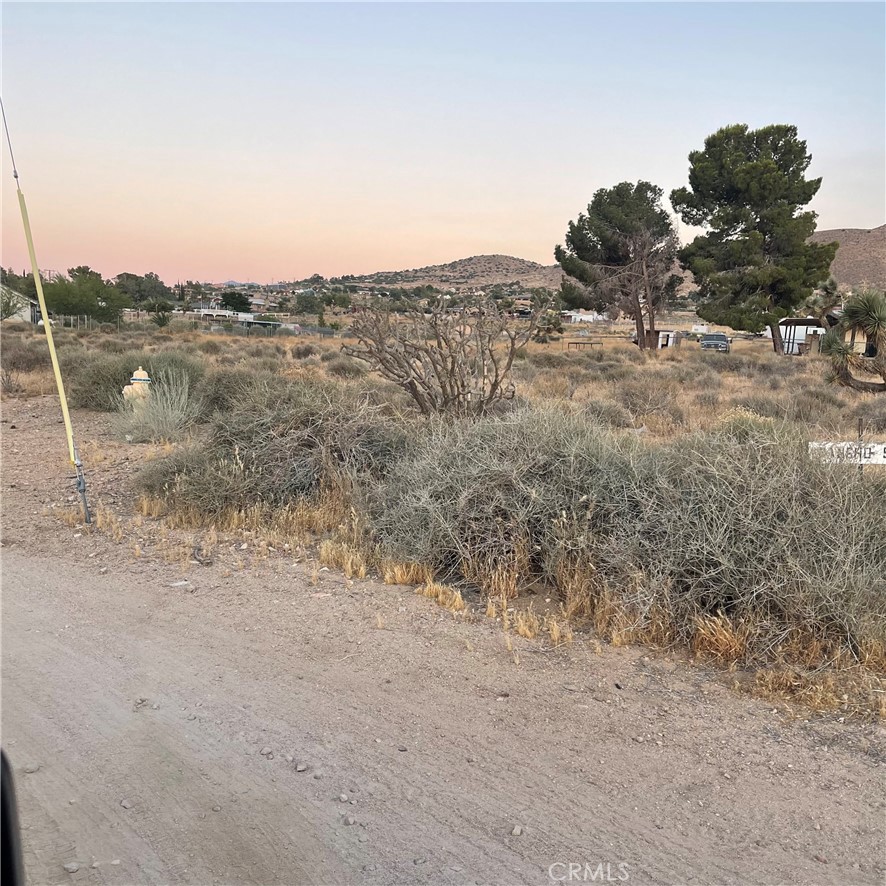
275	725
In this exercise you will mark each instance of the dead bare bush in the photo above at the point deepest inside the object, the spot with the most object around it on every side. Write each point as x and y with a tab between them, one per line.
449	360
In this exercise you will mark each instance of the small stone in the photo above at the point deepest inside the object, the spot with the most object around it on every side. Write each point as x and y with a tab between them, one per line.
353	802
244	546
471	760
362	838
126	804
349	820
343	798
95	864
289	758
517	831
817	826
72	867
116	861
820	858
216	808
402	748
265	751
192	716
638	739
155	707
301	767
103	570
571	687
31	768
420	860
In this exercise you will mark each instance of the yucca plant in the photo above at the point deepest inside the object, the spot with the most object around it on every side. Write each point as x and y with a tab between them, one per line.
863	312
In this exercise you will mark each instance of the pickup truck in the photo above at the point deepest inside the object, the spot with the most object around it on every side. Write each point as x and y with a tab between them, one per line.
716	341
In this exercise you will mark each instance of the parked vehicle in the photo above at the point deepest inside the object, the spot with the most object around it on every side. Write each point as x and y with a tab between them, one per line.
716	341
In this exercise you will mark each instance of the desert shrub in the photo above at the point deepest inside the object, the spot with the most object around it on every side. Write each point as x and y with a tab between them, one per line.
18	357
301	351
760	405
642	396
813	406
608	414
807	406
872	413
95	380
550	360
169	411
278	444
209	346
735	522
605	370
328	356
707	399
113	345
224	388
346	367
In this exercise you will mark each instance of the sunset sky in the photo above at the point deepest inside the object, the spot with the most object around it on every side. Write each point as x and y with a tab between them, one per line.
273	141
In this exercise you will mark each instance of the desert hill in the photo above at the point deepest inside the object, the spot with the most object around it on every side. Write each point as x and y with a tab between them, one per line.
861	257
465	273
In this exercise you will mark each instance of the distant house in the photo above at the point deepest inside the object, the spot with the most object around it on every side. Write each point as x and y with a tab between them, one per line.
29	312
582	317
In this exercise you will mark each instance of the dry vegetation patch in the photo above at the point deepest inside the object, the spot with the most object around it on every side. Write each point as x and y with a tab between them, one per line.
667	500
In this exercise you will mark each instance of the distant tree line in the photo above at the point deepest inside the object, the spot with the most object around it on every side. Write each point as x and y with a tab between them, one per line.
84	292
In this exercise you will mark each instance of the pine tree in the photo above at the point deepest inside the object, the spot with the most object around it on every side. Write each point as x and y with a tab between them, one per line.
754	265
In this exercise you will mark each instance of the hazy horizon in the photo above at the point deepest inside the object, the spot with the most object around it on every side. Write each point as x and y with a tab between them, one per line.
261	142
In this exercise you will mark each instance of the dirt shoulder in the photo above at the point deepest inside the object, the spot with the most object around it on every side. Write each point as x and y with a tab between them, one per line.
233	706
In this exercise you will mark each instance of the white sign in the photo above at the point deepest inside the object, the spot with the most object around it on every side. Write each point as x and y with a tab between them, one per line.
850	453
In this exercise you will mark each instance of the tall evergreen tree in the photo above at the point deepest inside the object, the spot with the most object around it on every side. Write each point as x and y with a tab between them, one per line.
747	189
620	255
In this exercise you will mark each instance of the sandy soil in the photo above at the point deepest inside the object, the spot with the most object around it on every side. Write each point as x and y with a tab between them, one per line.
273	724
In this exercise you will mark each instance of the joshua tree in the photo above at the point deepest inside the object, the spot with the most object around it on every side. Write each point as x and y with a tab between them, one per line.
864	312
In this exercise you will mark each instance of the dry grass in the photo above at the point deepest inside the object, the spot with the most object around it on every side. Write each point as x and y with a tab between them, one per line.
718	637
340	555
527	623
107	521
394	572
856	693
443	595
558	629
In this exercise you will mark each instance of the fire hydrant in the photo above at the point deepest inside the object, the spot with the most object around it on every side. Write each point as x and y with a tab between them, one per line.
138	390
